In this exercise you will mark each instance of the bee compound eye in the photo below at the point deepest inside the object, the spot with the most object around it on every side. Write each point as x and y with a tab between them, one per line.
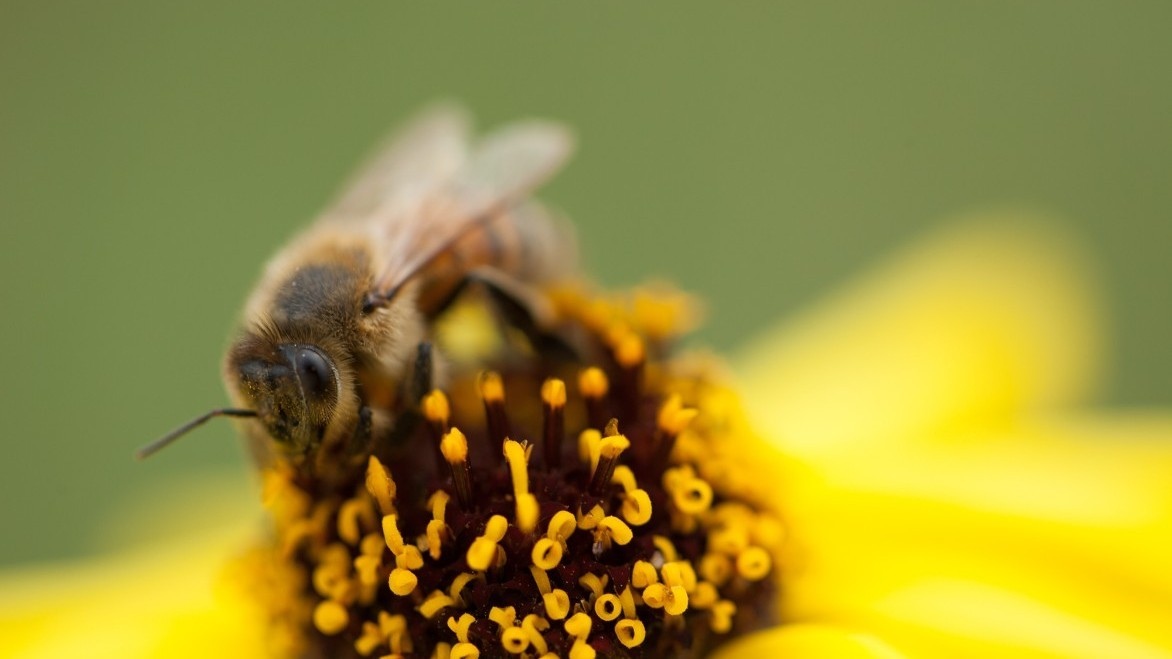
314	373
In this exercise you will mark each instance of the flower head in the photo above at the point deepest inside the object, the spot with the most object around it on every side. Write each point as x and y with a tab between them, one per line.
551	505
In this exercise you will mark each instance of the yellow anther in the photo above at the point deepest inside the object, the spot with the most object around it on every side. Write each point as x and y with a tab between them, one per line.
541	579
402	582
547	554
457	587
460	626
442	651
730	540
454	446
636	507
608	607
767	532
553	392
679	573
673	417
665	547
594	583
611	528
705	595
518	466
436	532
354	514
627	599
372	544
527	509
380	485
438	503
655	595
588	442
591	519
436	602
722	616
692	496
624	478
482	554
561	526
643	574
391	533
582	650
492	388
436	407
533	625
677	601
613	446
503	616
557	604
716	568
592	383
464	651
410	558
630	632
367	568
395	628
330	617
578	626
515	640
754	563
630	351
371	638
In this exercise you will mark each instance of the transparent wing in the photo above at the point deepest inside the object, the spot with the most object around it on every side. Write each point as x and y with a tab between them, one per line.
500	171
410	166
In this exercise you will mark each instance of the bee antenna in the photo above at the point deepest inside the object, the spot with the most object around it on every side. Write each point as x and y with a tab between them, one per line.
157	445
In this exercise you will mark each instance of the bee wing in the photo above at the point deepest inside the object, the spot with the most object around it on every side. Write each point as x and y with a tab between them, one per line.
410	165
501	171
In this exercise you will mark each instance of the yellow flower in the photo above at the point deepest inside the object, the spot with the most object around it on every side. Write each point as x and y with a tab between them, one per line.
937	497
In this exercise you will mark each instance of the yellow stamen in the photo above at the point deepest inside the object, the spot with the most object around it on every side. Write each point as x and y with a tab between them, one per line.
527	508
716	568
483	551
636	507
541	579
503	617
515	640
371	638
461	625
629	352
436	408
608	607
665	547
436	602
578	626
592	383
594	583
591	518
464	651
754	563
547	554
553	398
722	614
533	625
454	447
330	617
627	599
557	604
630	632
581	650
643	574
402	582
458	584
612	529
353	515
380	485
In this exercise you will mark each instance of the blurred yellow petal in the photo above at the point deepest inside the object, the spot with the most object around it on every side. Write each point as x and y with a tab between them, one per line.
959	619
154	603
1075	513
977	322
808	642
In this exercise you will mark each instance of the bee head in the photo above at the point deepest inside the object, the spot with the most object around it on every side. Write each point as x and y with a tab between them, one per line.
293	388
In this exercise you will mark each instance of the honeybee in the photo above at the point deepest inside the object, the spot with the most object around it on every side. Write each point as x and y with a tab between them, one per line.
338	330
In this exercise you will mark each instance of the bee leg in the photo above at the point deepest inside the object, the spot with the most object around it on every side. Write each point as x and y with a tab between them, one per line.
363	435
423	375
524	307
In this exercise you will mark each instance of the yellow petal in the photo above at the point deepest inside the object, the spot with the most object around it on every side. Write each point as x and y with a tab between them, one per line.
979	321
808	642
1074	515
965	619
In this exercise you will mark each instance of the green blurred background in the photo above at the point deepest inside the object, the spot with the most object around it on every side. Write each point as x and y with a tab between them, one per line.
154	154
